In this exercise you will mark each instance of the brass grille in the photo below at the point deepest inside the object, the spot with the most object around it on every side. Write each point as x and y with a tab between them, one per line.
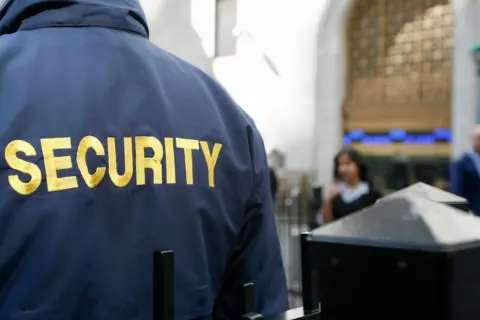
399	65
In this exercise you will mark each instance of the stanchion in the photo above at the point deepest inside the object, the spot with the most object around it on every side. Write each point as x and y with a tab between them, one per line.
309	277
249	296
163	292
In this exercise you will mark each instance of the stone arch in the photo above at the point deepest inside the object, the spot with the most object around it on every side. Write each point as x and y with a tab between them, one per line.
331	80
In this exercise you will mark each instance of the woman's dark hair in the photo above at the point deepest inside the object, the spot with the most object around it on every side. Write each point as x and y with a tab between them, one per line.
356	158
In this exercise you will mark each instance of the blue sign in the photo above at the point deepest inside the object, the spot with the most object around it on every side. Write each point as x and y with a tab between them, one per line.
398	136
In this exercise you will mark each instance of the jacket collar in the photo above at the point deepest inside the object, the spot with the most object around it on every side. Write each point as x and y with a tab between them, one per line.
127	15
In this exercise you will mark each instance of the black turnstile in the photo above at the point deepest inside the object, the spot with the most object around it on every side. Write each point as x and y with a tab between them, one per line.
163	285
412	255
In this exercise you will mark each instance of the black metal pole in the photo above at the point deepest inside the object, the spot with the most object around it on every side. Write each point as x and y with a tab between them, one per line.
309	277
249	296
163	292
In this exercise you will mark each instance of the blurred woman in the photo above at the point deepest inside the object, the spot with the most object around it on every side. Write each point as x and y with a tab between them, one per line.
353	190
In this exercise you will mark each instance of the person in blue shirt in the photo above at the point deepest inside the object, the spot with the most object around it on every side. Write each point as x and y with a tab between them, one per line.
465	174
111	149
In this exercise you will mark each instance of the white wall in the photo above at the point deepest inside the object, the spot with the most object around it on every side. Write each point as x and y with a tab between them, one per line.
282	100
177	28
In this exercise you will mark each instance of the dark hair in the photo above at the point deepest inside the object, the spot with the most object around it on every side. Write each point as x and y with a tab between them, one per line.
356	158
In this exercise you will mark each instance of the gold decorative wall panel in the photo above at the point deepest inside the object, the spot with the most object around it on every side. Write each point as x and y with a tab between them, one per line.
399	65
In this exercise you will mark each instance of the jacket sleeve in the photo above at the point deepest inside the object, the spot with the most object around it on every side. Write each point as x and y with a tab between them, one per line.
258	257
456	179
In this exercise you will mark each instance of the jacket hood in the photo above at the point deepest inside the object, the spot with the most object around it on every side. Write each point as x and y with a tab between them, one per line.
18	15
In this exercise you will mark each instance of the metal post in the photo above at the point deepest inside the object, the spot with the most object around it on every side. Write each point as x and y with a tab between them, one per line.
249	296
163	292
309	277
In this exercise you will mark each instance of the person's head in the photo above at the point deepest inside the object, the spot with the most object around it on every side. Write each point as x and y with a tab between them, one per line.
350	166
476	138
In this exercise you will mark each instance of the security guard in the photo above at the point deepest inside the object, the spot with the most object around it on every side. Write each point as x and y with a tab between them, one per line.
113	148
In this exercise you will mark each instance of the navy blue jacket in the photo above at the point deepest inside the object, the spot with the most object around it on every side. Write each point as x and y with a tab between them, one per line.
111	149
465	182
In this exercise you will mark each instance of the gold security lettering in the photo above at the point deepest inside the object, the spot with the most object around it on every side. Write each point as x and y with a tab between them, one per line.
54	164
31	169
211	159
188	145
170	161
120	180
143	156
87	143
153	163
